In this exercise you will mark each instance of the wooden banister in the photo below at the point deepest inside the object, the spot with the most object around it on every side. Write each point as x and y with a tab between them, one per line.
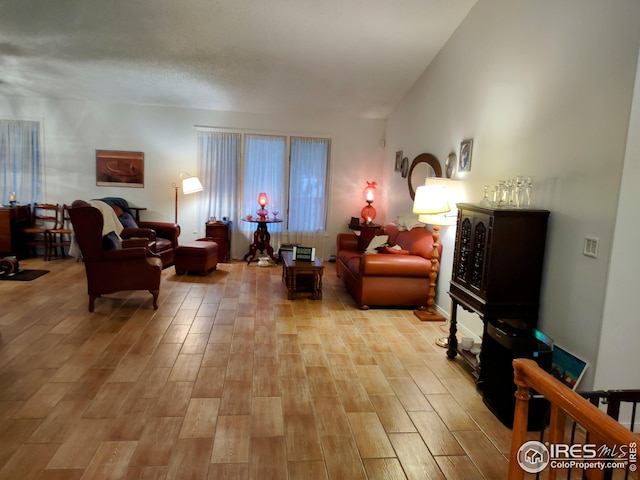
564	403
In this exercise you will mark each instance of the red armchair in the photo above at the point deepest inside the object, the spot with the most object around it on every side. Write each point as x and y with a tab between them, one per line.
110	271
163	236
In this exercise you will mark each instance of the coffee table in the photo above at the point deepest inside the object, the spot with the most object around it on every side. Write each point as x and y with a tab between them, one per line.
302	276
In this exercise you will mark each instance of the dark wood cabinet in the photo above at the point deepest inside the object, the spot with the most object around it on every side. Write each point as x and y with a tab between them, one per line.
497	265
220	232
12	221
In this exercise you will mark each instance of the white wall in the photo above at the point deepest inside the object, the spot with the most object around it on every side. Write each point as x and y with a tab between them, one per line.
619	355
73	130
543	88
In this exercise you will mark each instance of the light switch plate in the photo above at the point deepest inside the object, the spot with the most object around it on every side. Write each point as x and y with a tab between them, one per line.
591	247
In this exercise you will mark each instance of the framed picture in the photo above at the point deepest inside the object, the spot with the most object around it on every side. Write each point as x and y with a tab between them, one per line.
398	161
404	167
464	162
450	164
116	168
567	367
305	254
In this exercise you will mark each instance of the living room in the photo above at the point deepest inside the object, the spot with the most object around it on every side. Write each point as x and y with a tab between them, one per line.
543	89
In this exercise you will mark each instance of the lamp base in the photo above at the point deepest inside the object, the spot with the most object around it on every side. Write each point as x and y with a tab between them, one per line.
426	316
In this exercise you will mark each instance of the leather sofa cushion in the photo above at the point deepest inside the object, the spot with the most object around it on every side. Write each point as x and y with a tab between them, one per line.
416	242
162	244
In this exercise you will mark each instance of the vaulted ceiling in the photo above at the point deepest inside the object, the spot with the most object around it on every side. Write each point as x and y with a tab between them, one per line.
350	57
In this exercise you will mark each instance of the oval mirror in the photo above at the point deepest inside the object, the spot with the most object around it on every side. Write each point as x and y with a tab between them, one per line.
423	166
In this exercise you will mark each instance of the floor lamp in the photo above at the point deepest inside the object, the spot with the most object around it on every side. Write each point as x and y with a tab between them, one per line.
432	202
189	185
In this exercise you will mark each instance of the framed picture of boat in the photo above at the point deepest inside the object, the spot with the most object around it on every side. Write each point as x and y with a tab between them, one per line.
116	168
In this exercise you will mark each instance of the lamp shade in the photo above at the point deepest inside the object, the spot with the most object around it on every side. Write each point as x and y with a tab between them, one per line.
369	192
431	200
435	201
191	185
262	199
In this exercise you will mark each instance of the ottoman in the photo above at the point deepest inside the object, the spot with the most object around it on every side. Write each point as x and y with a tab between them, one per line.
197	256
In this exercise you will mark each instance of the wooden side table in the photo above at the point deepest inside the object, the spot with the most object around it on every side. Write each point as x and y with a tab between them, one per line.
220	232
261	238
293	273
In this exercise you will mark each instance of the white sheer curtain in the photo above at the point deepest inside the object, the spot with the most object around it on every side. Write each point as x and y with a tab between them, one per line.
308	191
264	171
218	167
20	161
236	167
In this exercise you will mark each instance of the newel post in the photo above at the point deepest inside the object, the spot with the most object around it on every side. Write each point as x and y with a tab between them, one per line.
520	420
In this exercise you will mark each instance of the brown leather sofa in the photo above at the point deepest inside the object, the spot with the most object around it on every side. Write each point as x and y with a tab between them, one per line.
387	279
163	236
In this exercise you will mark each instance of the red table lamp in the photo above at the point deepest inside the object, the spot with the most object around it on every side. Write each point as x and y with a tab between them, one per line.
368	213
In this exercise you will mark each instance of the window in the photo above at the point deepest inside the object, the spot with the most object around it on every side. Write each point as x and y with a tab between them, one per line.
293	171
307	190
20	162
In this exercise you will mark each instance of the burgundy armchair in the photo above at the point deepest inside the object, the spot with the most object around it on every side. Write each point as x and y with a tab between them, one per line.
110	271
163	236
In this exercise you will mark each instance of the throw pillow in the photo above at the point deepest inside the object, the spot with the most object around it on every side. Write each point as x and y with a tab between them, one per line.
111	241
118	210
396	249
127	220
375	243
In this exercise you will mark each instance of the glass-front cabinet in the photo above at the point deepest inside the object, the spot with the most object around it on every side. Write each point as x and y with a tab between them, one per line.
497	265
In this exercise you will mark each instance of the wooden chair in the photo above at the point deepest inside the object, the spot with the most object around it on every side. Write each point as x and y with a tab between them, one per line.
44	217
59	237
115	270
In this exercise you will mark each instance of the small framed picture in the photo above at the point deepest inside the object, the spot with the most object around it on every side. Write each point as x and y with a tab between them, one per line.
450	164
404	167
464	162
398	160
305	254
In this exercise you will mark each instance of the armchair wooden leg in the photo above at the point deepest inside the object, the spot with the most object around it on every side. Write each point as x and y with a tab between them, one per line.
155	294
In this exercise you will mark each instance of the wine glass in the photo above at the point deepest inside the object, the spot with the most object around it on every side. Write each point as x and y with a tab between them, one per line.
275	212
485	198
528	190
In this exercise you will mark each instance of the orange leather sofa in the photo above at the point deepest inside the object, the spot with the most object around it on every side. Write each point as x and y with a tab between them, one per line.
387	279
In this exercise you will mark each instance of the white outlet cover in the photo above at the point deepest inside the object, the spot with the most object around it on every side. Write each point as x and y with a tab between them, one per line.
591	247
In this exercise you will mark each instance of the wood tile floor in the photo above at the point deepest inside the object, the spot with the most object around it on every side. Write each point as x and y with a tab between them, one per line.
230	380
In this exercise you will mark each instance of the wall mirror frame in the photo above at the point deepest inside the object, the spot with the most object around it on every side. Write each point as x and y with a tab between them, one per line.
423	166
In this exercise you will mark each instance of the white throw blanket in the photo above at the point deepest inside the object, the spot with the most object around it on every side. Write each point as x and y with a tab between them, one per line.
111	224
